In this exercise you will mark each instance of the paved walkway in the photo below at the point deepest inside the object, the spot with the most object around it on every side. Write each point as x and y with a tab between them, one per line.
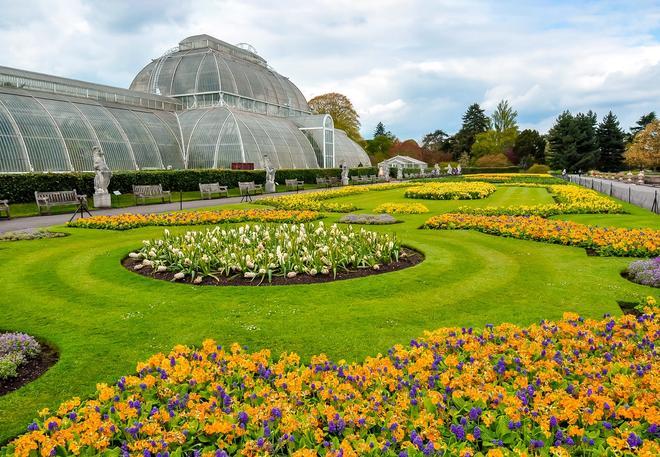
36	222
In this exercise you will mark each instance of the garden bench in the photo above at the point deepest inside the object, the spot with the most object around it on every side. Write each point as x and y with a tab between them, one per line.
322	182
652	180
333	181
207	190
294	184
4	208
142	192
248	189
46	200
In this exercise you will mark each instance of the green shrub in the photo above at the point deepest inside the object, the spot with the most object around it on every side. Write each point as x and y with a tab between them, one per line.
538	168
493	160
19	188
9	364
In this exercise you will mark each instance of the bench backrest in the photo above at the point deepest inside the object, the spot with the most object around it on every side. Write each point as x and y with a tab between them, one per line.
291	182
60	196
155	189
321	180
211	187
246	185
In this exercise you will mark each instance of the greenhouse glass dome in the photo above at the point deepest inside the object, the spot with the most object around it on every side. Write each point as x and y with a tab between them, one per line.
204	104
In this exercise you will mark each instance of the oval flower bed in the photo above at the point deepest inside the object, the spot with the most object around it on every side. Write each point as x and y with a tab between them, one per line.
401	208
22	359
603	240
645	272
451	191
129	221
572	387
265	252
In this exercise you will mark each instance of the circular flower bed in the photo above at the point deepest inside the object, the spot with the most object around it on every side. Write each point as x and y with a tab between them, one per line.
262	252
572	387
22	359
401	208
645	272
451	191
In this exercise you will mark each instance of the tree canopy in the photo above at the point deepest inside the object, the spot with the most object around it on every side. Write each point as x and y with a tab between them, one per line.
504	117
644	151
573	142
529	147
342	111
610	143
475	121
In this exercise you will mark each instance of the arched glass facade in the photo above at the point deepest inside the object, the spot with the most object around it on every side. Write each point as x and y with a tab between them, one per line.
241	110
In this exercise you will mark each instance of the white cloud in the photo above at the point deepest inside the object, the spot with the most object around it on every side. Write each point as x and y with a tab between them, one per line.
415	65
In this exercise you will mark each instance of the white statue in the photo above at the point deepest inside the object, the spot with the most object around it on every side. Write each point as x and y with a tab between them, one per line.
270	175
101	179
450	170
344	173
458	169
399	173
640	177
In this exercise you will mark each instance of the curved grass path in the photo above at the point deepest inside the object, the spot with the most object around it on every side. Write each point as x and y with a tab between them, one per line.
73	292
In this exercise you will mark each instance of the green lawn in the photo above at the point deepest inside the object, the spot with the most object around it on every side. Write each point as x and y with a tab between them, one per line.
74	293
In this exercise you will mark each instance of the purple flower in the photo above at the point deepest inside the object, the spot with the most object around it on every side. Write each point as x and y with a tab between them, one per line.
553	422
477	433
634	440
536	444
458	431
243	418
475	413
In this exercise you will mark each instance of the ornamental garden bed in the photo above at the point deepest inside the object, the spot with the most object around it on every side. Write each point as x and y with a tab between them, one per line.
34	364
276	254
409	258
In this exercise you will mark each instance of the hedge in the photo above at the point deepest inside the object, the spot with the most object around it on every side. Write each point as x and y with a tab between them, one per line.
19	188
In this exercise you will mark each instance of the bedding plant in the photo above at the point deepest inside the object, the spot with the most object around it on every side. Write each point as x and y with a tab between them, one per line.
16	349
264	251
401	208
645	272
606	241
572	387
451	191
129	221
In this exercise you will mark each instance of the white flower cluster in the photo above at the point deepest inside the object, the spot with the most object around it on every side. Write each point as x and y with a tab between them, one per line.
263	251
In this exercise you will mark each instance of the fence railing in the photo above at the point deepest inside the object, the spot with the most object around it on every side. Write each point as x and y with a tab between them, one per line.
643	196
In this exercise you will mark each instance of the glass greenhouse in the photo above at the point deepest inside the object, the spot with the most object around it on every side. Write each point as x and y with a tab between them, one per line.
204	104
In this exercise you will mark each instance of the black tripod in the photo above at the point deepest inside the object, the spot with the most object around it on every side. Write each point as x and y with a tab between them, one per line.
82	208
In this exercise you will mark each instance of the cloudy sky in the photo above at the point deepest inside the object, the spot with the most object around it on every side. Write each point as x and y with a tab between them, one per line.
414	65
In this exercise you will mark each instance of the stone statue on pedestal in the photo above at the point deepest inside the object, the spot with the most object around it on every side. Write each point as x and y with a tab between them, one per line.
344	173
399	173
270	175
458	169
101	179
450	170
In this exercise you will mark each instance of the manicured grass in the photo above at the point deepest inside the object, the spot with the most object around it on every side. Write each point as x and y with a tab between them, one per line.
74	293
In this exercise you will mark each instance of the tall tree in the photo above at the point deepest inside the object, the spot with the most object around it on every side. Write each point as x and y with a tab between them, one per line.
610	143
504	117
530	147
573	142
475	121
342	111
494	142
435	141
380	130
641	124
644	152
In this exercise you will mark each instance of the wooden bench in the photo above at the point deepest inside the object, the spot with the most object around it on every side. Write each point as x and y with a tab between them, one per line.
142	192
4	208
248	189
207	190
653	180
46	200
322	182
294	184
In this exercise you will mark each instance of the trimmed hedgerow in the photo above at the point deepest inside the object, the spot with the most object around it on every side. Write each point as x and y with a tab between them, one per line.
19	188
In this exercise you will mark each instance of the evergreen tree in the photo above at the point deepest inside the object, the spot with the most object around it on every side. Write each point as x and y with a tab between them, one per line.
530	147
611	143
641	124
380	130
573	142
475	121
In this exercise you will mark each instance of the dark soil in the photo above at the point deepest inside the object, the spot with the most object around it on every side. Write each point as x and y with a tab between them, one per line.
31	370
412	258
629	308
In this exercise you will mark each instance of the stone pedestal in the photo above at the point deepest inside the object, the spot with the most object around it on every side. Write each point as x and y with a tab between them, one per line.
344	181
102	200
269	188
